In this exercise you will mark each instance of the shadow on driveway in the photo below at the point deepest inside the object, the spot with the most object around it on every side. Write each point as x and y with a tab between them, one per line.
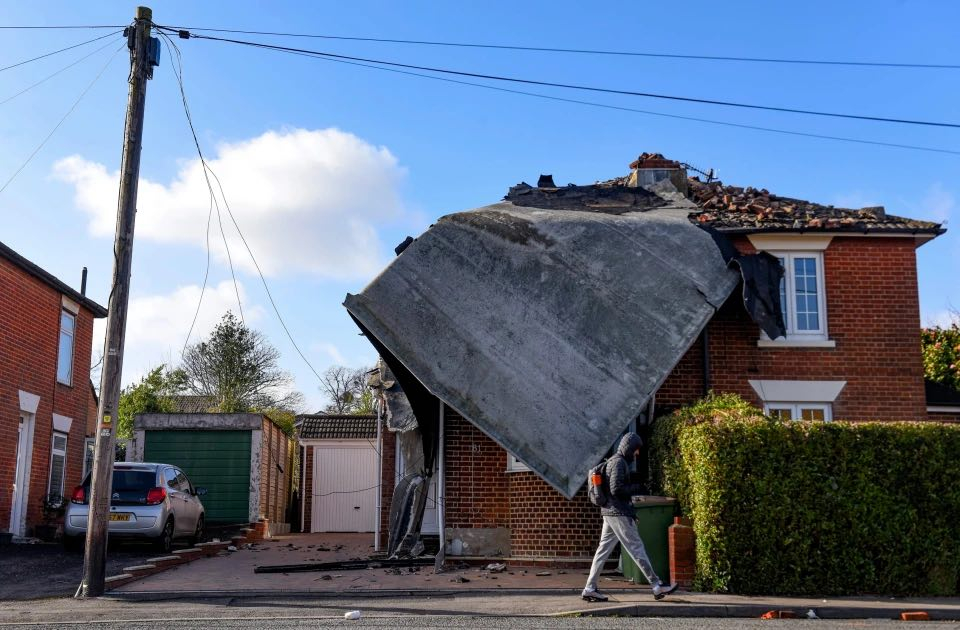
30	571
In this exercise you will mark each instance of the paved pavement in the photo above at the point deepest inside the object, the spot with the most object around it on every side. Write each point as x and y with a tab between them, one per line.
466	590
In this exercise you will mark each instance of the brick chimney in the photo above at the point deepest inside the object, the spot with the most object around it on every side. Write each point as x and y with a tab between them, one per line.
650	168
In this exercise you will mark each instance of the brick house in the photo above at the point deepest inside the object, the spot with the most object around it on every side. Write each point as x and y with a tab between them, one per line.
851	349
46	331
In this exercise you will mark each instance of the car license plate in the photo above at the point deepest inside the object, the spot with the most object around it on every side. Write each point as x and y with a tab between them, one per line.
119	517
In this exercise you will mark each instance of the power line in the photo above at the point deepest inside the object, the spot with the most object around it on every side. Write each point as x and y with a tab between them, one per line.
583	51
61	27
644	111
243	239
56	52
586	88
50	76
178	72
62	120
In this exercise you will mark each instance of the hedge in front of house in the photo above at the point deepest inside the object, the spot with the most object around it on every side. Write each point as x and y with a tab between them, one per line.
816	508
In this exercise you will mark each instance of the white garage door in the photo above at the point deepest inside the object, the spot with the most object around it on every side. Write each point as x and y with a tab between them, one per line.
345	486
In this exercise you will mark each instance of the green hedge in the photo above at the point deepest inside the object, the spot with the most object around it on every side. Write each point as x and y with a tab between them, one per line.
813	508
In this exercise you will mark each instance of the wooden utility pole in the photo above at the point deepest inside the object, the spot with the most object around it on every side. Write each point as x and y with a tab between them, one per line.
141	69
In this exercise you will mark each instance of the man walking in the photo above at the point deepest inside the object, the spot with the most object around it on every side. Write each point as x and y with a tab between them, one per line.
620	523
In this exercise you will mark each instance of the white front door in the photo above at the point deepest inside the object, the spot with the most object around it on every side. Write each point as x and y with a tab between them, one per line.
345	486
21	476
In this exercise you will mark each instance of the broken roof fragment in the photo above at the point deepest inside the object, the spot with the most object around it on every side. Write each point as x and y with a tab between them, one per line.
549	319
549	328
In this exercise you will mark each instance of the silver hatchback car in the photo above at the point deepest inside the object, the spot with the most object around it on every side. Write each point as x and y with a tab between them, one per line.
149	501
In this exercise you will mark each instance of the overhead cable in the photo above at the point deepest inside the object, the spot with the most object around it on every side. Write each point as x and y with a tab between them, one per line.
178	73
583	51
645	112
56	52
571	86
50	76
243	239
62	120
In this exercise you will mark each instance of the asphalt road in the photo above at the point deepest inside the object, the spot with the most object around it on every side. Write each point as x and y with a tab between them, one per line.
518	623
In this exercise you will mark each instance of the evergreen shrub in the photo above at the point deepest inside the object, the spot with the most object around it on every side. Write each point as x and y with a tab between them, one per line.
803	508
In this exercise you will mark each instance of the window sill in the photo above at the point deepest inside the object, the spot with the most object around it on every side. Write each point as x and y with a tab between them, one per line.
796	343
516	470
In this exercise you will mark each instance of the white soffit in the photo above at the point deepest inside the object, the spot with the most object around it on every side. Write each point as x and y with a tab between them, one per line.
790	242
61	423
797	391
29	402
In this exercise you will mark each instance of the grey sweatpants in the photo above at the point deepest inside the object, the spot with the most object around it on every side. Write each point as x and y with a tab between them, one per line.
623	530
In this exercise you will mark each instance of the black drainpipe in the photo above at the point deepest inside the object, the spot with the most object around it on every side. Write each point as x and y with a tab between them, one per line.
705	341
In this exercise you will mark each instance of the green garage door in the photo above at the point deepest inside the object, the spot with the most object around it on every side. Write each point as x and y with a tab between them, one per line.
216	460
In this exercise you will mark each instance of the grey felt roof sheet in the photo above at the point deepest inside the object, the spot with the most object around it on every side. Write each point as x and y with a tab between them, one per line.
549	328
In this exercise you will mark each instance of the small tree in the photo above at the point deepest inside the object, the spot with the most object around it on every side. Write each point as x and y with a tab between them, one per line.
347	390
151	395
941	353
238	367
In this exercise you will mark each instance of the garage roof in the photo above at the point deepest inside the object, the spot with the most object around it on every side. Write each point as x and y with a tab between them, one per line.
337	427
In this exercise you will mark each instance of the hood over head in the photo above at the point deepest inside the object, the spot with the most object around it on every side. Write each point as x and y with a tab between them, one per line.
629	444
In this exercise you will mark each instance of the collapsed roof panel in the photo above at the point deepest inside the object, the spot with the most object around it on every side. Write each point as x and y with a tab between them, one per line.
549	328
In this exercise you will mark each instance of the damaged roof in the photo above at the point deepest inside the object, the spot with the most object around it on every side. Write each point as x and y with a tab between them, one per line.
734	209
548	324
337	427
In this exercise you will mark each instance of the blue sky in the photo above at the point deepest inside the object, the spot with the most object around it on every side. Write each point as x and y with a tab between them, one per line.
329	166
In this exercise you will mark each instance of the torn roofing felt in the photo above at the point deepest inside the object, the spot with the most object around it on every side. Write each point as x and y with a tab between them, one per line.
549	328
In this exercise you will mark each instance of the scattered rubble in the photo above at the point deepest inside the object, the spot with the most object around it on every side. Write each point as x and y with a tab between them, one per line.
496	567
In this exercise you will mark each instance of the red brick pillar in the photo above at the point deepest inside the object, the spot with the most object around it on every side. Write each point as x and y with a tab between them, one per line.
683	551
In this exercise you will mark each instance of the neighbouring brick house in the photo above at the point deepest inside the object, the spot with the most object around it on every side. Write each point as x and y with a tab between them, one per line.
46	331
851	351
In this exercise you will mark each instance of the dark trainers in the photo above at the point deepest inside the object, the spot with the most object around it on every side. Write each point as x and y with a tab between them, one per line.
591	595
660	591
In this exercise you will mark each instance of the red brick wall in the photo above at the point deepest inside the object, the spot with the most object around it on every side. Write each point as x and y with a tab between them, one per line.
388	477
29	338
480	493
476	491
944	417
306	482
545	523
873	315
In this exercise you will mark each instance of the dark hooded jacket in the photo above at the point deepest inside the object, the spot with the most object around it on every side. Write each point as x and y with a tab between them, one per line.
618	475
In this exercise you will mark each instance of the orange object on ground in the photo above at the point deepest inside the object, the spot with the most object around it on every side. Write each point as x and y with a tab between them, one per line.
779	614
915	616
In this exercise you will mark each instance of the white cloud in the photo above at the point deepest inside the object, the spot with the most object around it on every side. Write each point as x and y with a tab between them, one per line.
157	325
307	201
331	351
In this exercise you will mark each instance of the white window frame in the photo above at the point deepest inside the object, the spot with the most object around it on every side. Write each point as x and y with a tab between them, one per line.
63	470
514	464
73	338
796	409
89	445
790	307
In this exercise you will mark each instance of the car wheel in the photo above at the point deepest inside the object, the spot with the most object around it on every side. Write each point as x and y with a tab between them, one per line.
198	534
73	543
165	542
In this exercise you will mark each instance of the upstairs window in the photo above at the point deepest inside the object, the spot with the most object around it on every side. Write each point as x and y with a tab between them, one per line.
801	295
68	323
